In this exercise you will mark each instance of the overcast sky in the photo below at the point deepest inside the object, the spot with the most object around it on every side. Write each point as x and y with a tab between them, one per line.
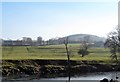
57	19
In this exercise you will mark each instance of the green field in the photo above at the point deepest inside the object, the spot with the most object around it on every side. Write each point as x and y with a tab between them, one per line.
52	52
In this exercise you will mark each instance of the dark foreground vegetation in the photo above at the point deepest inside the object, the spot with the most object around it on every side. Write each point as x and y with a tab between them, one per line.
53	68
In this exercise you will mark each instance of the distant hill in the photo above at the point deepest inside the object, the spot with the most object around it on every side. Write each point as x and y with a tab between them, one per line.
82	37
77	38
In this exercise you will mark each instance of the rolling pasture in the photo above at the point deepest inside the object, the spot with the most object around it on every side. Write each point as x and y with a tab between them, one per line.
52	52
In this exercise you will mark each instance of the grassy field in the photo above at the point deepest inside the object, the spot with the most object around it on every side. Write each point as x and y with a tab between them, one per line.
52	52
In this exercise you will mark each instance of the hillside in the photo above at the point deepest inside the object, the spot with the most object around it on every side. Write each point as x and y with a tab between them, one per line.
82	37
76	38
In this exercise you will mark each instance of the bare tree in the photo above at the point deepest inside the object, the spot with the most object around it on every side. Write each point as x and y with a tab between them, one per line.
84	46
113	42
68	56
